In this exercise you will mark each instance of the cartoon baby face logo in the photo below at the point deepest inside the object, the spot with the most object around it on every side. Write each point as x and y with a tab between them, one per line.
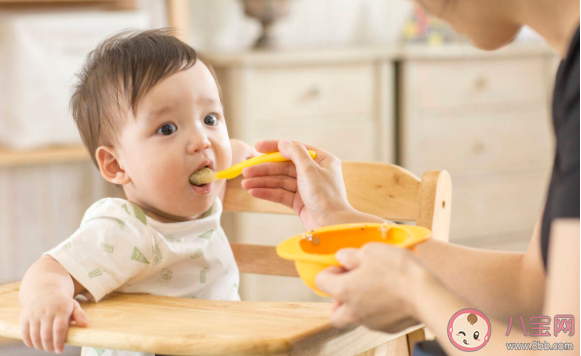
469	330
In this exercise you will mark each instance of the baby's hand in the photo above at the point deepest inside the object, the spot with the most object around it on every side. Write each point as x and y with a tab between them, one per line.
45	319
241	151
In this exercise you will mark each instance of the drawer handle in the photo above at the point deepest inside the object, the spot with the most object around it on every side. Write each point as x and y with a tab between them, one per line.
312	93
480	83
478	147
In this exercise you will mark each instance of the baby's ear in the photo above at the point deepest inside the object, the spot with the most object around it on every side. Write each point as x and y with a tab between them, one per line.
109	166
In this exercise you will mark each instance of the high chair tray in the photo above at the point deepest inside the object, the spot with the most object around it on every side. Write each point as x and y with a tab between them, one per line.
177	326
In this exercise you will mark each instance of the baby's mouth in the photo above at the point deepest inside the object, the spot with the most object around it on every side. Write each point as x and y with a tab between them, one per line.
197	180
202	176
466	342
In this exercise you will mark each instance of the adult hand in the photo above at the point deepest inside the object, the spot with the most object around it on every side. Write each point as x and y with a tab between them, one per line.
314	189
377	287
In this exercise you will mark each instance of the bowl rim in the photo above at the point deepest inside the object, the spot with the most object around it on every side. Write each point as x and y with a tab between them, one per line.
290	248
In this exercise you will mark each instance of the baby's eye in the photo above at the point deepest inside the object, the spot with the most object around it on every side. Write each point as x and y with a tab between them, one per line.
462	332
476	334
167	129
211	120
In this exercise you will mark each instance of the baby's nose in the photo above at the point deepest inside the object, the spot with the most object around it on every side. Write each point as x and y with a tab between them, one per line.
198	145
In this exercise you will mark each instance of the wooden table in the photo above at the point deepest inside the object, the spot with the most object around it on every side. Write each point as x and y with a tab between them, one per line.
177	326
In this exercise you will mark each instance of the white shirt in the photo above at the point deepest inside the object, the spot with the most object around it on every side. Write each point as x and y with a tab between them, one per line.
119	248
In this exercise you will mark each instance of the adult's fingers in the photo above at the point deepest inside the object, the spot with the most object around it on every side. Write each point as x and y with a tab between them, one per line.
267	146
283	182
336	304
349	258
279	196
343	317
297	153
59	329
270	169
46	334
79	315
25	331
332	281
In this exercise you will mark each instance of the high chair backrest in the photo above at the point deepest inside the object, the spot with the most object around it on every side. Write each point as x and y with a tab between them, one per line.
381	189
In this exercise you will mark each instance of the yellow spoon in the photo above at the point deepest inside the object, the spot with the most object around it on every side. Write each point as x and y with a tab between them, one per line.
206	175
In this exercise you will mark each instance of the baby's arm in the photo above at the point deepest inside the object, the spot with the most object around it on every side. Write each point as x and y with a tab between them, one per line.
46	296
240	152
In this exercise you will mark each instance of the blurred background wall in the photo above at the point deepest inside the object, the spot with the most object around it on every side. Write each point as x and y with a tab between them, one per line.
222	26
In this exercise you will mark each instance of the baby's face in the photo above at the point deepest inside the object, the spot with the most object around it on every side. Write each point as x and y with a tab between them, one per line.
469	336
178	128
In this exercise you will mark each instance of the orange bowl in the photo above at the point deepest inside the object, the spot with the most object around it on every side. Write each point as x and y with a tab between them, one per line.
315	250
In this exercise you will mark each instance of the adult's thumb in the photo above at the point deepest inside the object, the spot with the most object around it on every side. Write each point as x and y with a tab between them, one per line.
298	154
349	258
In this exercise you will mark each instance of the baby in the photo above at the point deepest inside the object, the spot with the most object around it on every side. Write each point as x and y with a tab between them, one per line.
150	115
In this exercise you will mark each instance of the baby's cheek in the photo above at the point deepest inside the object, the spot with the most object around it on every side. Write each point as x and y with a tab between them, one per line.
223	152
165	181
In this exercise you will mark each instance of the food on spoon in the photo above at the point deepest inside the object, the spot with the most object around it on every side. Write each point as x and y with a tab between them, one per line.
202	176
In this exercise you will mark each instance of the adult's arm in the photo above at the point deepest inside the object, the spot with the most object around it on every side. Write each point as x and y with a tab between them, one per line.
561	296
505	283
502	282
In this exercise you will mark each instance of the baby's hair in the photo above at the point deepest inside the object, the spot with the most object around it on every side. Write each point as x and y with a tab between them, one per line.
472	318
117	74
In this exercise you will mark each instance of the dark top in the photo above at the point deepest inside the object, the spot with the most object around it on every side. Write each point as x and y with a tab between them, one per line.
563	195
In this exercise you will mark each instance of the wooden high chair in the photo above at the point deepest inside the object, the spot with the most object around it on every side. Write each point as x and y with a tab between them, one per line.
176	326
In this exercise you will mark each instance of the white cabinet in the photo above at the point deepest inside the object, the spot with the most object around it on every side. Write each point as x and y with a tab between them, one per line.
484	117
341	101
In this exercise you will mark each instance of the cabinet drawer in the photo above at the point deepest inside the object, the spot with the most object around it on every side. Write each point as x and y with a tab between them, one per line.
357	140
309	91
496	204
473	83
479	143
